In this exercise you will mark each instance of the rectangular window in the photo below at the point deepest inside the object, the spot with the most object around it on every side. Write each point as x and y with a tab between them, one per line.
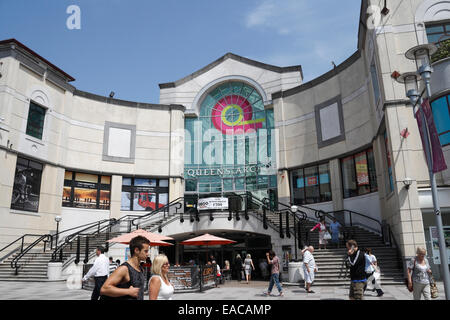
441	115
35	123
359	176
375	84
146	194
311	184
437	33
27	185
86	191
390	180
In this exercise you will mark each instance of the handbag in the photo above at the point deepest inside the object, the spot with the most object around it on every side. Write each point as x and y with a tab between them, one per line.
341	236
433	288
327	236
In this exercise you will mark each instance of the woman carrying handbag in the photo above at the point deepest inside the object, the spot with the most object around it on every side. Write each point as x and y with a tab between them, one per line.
419	275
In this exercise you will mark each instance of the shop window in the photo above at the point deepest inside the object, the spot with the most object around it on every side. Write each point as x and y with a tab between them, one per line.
86	191
27	185
35	123
441	115
311	184
359	174
144	194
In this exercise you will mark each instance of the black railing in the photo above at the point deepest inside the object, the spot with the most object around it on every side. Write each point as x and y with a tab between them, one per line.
353	217
20	240
15	262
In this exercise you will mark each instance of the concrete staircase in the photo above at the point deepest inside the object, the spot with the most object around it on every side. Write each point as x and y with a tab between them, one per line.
331	262
34	264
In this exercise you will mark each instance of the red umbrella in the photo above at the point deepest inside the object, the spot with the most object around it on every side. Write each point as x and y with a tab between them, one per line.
207	240
155	239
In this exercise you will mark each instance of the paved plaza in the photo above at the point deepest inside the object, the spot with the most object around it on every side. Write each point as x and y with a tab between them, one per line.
10	290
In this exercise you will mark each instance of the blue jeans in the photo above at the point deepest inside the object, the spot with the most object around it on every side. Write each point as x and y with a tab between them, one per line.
275	279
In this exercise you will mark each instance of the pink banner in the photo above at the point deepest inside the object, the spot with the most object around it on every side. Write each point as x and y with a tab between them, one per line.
436	148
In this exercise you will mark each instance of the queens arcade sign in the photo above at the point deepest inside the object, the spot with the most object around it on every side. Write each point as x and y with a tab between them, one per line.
222	171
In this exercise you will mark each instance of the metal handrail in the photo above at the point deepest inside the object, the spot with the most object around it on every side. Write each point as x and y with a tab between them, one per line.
15	261
23	242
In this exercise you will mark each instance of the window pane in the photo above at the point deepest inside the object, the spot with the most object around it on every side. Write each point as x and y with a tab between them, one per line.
86	177
441	114
125	204
191	185
227	184
298	181
348	177
85	198
362	174
445	138
435	29
325	185
68	175
372	171
239	184
163	199
105	180
104	200
390	180
126	181
27	185
145	182
144	201
312	185
35	124
164	183
66	197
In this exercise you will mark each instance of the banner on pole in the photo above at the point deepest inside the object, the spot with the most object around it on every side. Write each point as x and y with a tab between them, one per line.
438	160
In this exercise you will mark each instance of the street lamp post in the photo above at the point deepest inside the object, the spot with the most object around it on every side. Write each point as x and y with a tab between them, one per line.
58	220
294	210
421	54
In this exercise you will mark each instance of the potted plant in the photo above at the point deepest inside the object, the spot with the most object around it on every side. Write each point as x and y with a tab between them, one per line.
442	52
441	68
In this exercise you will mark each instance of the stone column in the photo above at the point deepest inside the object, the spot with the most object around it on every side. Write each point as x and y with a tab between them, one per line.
284	191
116	196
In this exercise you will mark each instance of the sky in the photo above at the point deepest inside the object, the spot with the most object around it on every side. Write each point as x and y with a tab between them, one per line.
131	46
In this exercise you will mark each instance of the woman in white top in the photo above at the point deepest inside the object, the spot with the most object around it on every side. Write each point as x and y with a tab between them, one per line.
160	287
419	273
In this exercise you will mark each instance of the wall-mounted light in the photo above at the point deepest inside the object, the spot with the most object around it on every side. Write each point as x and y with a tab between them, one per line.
111	95
294	209
407	182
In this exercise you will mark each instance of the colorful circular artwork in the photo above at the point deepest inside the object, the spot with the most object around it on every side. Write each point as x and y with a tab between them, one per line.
233	115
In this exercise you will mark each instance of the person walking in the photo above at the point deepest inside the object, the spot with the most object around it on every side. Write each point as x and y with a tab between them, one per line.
322	230
160	287
371	270
419	275
335	228
357	264
238	267
100	272
112	265
248	267
309	267
128	281
274	261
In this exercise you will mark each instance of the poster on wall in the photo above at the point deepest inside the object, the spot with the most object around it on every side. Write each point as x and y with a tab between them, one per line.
435	244
27	184
362	175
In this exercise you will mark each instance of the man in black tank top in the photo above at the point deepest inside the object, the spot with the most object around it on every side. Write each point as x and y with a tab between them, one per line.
128	281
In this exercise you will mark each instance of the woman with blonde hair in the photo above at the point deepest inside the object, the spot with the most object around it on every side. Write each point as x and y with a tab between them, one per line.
419	274
160	287
248	266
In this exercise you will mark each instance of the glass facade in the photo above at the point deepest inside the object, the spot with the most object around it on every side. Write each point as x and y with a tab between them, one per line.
27	185
228	148
311	184
86	191
144	194
441	115
358	174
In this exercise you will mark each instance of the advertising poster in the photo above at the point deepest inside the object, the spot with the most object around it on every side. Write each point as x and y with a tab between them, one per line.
362	174
435	244
27	183
213	204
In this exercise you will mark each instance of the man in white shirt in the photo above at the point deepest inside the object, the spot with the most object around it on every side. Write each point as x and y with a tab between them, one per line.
100	272
309	267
